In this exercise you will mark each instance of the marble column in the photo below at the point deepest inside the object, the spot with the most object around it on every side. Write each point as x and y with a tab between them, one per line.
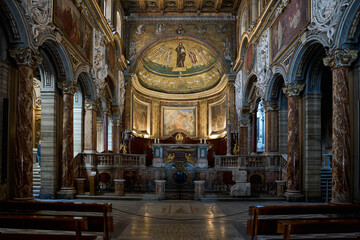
243	137
293	154
67	158
116	135
106	128
90	131
23	188
228	143
340	60
253	132
271	126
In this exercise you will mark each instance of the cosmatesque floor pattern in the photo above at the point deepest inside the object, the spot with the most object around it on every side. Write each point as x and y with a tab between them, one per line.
180	220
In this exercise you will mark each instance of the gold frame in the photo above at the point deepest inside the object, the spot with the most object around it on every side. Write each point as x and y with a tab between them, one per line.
214	104
138	101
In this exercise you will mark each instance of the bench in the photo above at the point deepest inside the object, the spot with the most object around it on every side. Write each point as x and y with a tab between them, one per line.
102	222
288	227
268	226
77	224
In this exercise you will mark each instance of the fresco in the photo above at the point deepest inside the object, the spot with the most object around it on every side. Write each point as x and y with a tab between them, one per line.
179	120
76	30
295	17
140	117
180	65
218	117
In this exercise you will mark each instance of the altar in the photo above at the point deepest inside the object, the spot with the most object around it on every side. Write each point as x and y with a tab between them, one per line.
166	153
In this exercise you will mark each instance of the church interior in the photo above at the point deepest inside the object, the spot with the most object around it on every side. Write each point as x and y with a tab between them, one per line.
186	103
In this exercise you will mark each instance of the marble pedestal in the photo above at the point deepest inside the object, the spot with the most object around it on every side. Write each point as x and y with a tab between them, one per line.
242	187
80	183
294	196
199	189
160	188
119	187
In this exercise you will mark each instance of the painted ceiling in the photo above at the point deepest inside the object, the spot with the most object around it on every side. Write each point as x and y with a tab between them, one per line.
179	65
179	6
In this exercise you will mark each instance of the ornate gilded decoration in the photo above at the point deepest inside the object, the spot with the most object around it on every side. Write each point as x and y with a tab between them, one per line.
270	105
171	158
68	87
23	56
123	148
340	58
179	138
189	159
236	149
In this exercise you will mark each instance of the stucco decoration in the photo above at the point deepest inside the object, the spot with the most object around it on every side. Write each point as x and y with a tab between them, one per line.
239	93
263	62
281	7
39	15
325	16
99	70
179	65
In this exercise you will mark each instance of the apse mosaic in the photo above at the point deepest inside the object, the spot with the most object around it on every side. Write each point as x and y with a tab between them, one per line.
179	65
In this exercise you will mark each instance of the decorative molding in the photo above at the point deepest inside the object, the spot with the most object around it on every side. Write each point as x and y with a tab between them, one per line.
39	16
121	97
116	123
115	110
293	89
244	123
281	7
14	28
245	110
264	72
340	58
354	26
325	16
68	87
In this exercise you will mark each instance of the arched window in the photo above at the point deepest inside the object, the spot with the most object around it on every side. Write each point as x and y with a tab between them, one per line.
260	131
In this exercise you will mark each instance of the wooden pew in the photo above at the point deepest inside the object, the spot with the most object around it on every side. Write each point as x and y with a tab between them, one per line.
95	222
288	227
77	224
257	226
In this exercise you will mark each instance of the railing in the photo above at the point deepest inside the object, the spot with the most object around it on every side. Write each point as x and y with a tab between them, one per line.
113	160
248	161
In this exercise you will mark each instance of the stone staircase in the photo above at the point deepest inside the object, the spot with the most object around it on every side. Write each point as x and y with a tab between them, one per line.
36	180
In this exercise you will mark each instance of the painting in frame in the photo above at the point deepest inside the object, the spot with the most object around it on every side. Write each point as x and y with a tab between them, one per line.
217	116
75	28
140	116
179	119
295	17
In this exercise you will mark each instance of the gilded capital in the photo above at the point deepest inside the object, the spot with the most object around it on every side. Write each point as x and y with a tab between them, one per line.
22	56
116	123
340	58
244	123
245	110
115	109
91	104
270	105
293	89
68	87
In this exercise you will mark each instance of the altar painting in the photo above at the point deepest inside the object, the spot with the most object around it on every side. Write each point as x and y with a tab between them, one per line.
295	17
218	117
76	30
140	117
179	120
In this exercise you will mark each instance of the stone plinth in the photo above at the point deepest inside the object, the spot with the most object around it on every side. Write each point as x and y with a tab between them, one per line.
119	187
280	188
80	183
160	188
199	189
242	187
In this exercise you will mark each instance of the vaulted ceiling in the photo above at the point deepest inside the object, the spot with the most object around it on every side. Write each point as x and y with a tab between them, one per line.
174	7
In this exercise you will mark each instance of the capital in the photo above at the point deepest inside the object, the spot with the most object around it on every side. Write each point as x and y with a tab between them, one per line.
22	56
68	87
340	58
115	109
270	105
91	104
293	89
244	123
116	123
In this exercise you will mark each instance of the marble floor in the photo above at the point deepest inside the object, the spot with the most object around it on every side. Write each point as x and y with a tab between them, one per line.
179	219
